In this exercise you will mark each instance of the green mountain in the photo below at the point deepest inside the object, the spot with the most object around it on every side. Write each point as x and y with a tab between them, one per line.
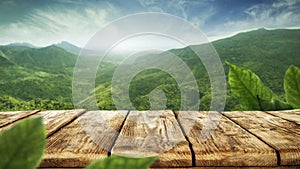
32	76
41	78
69	47
268	53
22	44
4	61
48	59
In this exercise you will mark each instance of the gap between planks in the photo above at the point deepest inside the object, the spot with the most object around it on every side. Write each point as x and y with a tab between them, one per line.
278	116
281	134
222	142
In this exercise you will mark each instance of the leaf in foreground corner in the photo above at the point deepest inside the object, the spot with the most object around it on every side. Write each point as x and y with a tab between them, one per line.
120	162
292	86
247	87
22	146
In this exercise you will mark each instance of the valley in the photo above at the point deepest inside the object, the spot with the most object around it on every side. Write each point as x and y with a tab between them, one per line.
41	78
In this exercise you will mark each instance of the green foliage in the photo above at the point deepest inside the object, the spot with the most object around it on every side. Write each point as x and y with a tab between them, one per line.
247	87
29	75
22	146
268	53
253	95
8	103
273	105
292	86
120	162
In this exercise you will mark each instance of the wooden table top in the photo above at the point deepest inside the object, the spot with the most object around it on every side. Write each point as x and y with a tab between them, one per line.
185	139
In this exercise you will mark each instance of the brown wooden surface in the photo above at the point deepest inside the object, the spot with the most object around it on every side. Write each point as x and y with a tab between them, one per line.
147	133
85	139
282	135
7	118
239	139
226	145
277	167
55	119
290	115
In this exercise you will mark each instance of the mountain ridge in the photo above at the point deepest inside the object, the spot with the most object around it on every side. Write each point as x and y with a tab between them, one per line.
46	73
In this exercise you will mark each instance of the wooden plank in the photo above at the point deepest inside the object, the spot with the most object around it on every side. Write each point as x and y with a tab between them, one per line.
7	118
281	134
147	133
87	138
290	115
227	144
55	119
277	167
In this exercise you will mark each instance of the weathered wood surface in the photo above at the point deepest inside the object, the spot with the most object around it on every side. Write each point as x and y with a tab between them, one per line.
85	139
240	139
290	115
147	133
278	167
282	135
7	118
53	119
225	145
56	119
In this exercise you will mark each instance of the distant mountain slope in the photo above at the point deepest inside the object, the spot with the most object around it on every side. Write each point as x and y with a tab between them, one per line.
266	52
49	59
22	44
36	74
69	47
4	61
31	74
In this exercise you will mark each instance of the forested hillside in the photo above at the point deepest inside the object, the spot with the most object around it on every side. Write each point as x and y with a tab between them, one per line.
41	78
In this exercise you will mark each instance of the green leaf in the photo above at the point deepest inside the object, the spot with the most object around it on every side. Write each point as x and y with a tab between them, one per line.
120	162
22	146
247	88
267	105
292	86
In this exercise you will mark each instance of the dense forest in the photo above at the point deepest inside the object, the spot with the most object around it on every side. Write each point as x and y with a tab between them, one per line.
41	78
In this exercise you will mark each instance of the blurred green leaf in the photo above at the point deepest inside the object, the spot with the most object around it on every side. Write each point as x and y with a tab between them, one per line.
120	162
292	86
22	146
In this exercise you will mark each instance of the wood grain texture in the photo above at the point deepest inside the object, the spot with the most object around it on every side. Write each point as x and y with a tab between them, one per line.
226	144
87	138
281	134
55	119
277	167
290	115
148	133
7	118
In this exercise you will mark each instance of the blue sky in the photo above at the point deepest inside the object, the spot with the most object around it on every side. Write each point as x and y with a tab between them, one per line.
51	21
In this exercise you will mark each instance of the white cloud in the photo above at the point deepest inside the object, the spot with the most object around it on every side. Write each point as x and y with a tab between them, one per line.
168	6
180	8
279	14
51	25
